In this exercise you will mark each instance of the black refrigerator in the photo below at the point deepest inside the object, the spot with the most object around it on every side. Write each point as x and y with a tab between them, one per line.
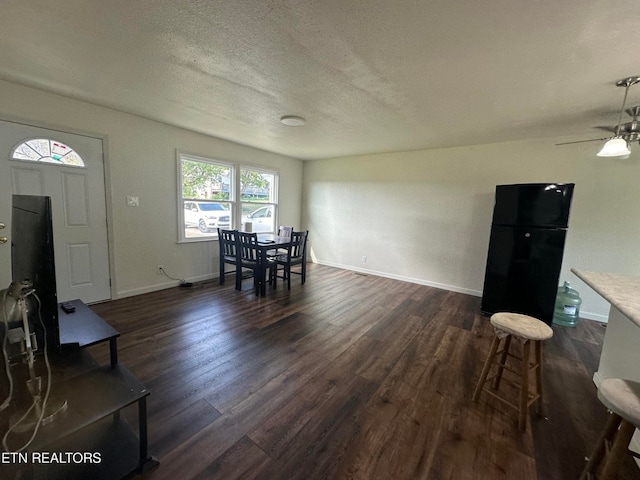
528	233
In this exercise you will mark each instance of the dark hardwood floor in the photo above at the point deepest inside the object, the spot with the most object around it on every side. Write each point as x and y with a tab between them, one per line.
348	376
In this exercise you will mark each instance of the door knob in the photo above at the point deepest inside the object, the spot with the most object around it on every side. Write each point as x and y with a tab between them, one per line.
3	239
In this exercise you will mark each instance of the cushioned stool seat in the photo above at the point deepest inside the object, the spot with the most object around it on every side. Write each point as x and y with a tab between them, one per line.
622	398
528	331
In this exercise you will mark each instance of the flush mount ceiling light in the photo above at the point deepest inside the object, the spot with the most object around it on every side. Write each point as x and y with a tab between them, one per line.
292	120
618	147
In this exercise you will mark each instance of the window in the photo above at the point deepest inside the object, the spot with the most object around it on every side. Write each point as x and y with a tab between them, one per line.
48	151
258	199
208	198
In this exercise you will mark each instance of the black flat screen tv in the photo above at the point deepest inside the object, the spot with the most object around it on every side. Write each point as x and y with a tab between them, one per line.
32	258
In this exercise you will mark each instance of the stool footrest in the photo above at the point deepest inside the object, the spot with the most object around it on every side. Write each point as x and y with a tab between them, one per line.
532	367
501	398
532	397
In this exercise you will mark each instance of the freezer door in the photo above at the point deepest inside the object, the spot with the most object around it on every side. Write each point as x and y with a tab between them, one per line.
537	205
523	270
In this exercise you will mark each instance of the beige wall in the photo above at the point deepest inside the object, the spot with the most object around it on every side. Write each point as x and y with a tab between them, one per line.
141	161
425	216
420	216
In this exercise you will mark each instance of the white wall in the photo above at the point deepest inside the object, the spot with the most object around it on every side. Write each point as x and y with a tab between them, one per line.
141	160
421	216
425	216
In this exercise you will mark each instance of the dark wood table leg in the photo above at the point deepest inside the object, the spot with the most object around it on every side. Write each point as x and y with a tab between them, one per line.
262	272
146	462
113	348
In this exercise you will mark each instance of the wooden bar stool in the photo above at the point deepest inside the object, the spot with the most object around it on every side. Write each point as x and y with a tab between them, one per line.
622	398
526	330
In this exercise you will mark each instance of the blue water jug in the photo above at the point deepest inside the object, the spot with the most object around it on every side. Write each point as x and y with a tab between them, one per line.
567	308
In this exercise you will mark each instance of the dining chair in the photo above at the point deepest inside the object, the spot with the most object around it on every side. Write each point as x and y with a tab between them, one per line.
285	231
249	258
296	253
282	232
228	254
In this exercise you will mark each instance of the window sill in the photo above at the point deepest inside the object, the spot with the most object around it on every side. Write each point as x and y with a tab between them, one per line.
198	239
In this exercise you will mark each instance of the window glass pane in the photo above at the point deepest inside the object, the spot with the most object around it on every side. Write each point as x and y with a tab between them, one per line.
41	146
47	150
25	152
72	158
202	219
206	189
207	181
261	217
258	196
256	186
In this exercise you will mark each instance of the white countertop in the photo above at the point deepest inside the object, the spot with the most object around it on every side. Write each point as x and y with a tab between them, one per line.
620	291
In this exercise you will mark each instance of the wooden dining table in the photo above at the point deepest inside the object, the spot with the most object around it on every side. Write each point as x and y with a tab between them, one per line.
267	242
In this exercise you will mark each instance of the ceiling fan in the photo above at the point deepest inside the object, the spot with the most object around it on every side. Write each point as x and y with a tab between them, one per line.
618	145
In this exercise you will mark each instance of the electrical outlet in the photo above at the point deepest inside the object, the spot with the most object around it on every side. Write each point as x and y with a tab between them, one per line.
364	259
160	270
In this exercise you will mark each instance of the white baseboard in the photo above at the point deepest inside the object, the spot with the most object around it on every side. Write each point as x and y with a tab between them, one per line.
161	286
594	316
404	278
452	288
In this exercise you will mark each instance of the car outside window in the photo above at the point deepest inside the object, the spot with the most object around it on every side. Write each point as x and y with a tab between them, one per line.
207	217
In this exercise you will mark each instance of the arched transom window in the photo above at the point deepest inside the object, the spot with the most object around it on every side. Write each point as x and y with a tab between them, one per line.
47	150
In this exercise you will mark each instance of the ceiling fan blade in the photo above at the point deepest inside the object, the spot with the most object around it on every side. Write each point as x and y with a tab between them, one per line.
584	141
633	112
629	131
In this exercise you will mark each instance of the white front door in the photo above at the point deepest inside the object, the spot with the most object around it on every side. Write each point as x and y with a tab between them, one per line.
78	204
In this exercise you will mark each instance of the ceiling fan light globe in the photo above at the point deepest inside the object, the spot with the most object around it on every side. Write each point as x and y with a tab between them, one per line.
616	147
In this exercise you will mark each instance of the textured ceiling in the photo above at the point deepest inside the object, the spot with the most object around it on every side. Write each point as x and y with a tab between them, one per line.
369	76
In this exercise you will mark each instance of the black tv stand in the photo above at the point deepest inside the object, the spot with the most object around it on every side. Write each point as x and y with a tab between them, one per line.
83	328
95	422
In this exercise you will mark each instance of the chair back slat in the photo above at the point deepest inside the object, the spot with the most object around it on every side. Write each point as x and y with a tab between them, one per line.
228	253
296	252
246	244
285	231
298	243
227	240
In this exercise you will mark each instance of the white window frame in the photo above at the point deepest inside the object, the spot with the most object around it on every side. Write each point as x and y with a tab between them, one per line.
180	156
235	200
